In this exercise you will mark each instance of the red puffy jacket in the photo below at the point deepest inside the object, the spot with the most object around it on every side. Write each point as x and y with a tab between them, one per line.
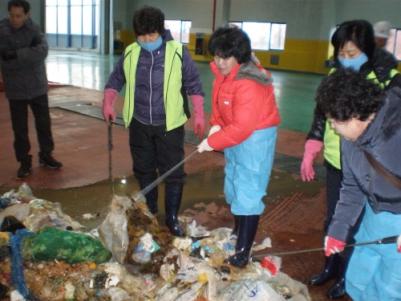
242	102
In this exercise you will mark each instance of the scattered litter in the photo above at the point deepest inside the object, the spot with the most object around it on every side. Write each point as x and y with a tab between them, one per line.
266	243
272	264
128	257
88	216
197	231
145	248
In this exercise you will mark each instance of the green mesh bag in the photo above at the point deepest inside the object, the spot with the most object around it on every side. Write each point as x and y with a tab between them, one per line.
51	243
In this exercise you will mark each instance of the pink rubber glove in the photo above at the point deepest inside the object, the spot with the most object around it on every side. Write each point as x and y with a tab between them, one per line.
198	118
332	246
399	244
204	146
312	149
109	99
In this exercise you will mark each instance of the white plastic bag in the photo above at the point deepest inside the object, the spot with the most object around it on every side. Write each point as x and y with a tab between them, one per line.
249	290
113	231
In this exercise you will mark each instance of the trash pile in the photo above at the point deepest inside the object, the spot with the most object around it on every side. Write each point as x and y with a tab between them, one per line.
46	255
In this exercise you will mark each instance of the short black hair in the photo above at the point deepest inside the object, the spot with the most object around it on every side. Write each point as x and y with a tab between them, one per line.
148	19
19	3
231	41
360	32
347	94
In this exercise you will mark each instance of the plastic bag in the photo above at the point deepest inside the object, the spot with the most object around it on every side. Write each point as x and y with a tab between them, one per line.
51	243
145	248
44	214
249	290
118	294
113	231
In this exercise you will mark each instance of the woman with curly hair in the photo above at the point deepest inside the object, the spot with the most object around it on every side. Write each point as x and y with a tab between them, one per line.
369	123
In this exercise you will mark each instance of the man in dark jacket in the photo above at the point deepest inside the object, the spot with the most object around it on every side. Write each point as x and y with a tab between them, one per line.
369	123
23	50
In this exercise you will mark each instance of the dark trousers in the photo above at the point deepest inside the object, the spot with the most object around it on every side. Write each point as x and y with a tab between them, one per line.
334	178
153	149
19	118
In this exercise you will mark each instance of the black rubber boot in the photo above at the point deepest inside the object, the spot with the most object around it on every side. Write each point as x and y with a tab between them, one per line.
330	271
247	227
25	168
173	202
47	160
151	196
236	226
337	291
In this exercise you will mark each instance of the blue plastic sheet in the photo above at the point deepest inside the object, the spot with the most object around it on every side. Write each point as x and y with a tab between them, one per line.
17	266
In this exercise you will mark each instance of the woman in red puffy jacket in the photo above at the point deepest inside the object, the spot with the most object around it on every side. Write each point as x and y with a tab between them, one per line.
244	123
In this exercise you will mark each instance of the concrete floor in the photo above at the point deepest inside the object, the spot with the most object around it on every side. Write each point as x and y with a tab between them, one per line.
295	210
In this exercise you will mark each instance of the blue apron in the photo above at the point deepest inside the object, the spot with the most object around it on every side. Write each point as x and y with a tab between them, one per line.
247	172
374	271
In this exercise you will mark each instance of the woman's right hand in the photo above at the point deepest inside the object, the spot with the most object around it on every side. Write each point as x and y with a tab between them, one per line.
399	244
312	149
109	99
214	129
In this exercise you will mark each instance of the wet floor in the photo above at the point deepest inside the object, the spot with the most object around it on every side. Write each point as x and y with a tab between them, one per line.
203	187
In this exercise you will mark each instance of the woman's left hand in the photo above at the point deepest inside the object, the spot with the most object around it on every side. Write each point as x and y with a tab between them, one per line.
399	244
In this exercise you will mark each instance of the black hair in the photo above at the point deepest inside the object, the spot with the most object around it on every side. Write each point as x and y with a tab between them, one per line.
231	41
147	20
346	94
19	3
360	32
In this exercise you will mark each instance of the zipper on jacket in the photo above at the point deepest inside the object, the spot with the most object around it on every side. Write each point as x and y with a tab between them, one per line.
150	89
169	74
129	90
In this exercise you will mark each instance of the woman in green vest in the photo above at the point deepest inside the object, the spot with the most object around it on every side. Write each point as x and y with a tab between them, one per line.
158	74
354	48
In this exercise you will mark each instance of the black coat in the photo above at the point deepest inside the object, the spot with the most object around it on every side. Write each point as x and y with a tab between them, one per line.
25	75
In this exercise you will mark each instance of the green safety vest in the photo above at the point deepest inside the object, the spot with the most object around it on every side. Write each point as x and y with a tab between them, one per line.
332	139
172	84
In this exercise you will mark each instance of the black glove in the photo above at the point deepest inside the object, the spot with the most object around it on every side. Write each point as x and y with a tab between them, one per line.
8	55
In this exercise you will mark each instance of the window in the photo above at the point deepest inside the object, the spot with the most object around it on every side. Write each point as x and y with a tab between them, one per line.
264	35
179	29
277	36
73	23
394	43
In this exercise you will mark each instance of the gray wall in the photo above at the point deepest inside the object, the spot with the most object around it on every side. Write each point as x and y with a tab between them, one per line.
303	17
120	14
313	19
306	19
198	11
371	10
